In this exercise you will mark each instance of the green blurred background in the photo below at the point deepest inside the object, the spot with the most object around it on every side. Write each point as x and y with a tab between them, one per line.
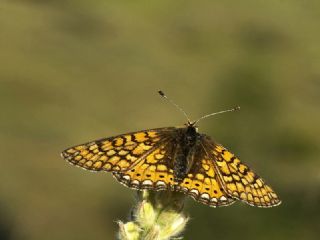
73	71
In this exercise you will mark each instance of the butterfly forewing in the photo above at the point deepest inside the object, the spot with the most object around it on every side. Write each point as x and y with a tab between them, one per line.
118	153
238	180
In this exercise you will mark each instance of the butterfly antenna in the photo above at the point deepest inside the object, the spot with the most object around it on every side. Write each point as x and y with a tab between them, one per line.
174	104
216	113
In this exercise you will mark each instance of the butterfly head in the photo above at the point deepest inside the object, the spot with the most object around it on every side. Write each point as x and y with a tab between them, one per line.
191	125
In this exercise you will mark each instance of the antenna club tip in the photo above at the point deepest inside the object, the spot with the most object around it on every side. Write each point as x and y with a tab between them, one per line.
161	93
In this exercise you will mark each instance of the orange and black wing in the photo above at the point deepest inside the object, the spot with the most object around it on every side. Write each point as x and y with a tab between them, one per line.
238	180
155	172
119	153
203	184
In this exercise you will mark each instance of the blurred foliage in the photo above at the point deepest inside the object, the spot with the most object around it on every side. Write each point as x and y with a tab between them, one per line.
74	70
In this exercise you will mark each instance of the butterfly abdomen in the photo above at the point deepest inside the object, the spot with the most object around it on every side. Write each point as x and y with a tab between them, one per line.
179	167
186	142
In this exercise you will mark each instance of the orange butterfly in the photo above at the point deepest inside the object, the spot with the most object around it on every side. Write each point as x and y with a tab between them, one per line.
177	159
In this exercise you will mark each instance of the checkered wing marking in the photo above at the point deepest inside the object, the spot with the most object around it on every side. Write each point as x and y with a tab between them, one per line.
153	172
203	184
239	181
118	153
156	172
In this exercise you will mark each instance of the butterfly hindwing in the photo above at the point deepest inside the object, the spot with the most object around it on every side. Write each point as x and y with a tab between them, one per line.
203	184
154	171
239	181
116	153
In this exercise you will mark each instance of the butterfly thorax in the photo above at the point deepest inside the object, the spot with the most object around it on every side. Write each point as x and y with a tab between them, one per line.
186	142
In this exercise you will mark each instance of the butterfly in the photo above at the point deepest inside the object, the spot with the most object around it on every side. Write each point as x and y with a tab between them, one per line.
177	159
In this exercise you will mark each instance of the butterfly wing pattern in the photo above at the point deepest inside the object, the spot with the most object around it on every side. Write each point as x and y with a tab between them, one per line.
238	180
202	182
175	159
156	172
119	153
